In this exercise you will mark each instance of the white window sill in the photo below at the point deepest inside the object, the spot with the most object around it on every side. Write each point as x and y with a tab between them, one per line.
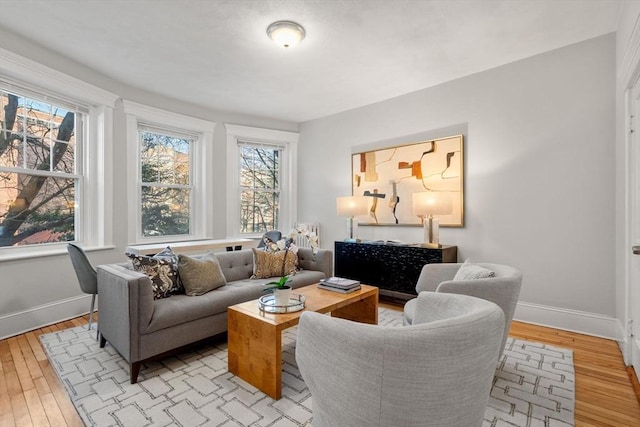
189	246
13	254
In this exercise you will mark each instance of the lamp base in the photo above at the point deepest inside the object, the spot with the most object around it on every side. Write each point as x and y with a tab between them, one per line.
431	232
351	240
431	245
352	229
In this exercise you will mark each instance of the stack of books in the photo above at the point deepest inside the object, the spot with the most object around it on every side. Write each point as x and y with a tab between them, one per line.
339	284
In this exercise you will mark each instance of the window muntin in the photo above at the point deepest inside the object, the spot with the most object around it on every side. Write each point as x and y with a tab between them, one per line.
166	185
40	176
260	177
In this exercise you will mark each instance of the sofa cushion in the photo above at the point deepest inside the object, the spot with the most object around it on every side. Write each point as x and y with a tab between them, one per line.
470	271
161	269
178	309
200	276
273	264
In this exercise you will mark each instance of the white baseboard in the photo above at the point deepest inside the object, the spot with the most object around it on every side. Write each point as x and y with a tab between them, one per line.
570	320
561	318
43	315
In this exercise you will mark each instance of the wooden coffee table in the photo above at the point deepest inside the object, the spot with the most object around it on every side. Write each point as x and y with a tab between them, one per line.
255	337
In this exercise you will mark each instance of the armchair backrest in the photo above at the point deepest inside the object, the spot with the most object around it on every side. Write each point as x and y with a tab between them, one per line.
503	289
436	372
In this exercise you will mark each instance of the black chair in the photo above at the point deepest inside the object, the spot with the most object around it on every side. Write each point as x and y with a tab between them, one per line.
87	275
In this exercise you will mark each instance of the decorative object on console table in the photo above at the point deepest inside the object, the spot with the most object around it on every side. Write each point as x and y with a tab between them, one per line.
351	207
394	268
427	204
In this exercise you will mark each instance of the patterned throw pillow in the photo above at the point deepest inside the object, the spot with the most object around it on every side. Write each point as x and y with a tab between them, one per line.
162	268
470	271
200	276
273	264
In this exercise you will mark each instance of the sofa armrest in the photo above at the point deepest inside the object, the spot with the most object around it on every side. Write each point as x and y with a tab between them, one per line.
322	261
126	307
434	274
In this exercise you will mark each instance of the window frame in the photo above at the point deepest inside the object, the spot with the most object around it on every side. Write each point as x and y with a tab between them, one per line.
201	205
242	144
94	159
237	135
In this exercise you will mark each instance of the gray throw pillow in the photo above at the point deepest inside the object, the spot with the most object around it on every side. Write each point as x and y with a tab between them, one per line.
470	271
200	276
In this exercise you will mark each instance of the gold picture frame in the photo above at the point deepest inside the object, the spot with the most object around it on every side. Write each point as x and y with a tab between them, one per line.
390	176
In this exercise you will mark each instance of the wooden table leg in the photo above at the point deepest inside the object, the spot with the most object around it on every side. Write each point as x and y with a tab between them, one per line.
255	352
363	311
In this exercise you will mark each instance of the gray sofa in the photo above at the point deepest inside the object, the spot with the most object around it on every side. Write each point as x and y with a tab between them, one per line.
140	328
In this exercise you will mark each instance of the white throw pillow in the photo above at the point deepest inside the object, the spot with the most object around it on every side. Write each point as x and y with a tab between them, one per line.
470	271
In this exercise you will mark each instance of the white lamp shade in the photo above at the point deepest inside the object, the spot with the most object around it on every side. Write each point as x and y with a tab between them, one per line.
432	203
351	206
286	33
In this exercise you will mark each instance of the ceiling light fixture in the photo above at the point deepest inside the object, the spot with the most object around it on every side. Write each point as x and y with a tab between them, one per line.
286	33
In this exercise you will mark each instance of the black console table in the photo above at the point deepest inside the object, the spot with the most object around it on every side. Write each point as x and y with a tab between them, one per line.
394	268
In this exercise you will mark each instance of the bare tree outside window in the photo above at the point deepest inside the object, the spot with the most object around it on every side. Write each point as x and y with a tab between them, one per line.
166	184
259	188
38	177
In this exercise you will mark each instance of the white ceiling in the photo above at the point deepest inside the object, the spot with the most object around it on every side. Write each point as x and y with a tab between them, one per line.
216	53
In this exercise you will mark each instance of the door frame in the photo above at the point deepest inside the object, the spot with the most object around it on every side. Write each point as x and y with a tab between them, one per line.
631	349
629	89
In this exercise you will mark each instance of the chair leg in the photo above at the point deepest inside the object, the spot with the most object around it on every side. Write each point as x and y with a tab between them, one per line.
93	303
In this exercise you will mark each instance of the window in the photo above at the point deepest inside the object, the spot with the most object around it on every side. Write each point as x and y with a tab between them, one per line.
169	155
261	194
259	187
165	168
54	142
39	175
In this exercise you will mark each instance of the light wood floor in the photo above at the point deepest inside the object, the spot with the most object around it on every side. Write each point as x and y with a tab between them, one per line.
32	395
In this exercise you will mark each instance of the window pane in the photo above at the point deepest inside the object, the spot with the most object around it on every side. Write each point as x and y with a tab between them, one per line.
259	182
11	139
258	211
63	139
259	167
36	209
165	211
36	135
164	159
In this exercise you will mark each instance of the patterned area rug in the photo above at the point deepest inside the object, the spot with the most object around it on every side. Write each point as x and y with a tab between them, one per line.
534	386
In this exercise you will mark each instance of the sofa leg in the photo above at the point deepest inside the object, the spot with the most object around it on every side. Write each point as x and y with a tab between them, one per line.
135	370
103	341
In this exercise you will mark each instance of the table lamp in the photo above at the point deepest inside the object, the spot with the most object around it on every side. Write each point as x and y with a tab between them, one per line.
352	206
426	205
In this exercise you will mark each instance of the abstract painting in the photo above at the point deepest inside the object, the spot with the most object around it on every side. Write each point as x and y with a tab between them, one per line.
389	176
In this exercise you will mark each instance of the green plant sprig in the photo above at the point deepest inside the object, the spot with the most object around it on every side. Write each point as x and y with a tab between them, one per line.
282	283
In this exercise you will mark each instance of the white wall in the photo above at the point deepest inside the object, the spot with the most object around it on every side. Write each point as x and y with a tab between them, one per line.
39	291
539	180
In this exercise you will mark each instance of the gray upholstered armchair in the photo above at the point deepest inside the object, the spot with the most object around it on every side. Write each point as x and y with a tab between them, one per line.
502	289
436	372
